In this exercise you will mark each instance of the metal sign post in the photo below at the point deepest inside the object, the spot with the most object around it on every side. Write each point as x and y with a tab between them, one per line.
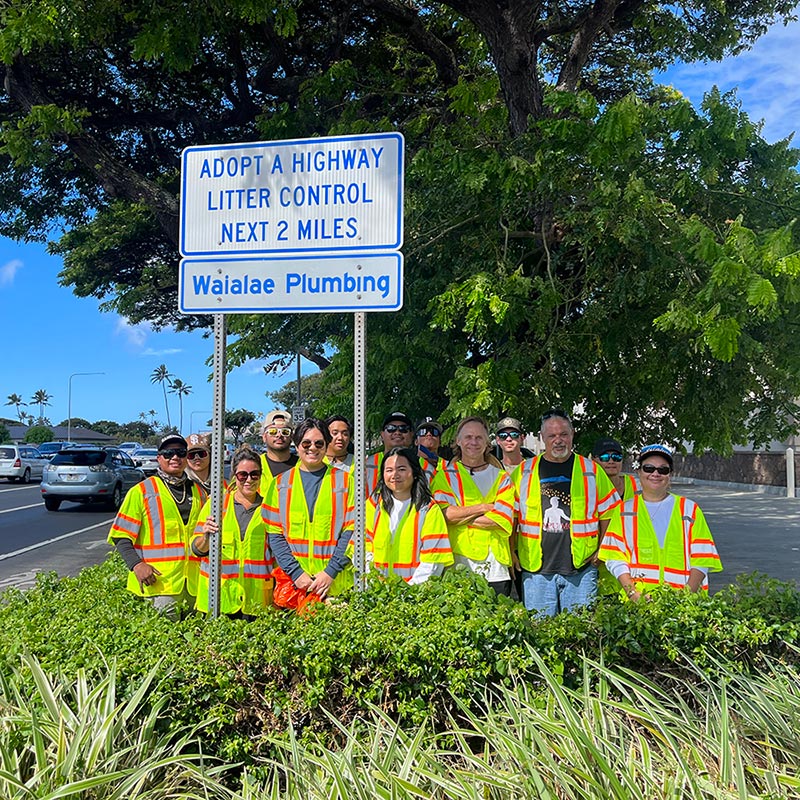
302	226
359	421
217	464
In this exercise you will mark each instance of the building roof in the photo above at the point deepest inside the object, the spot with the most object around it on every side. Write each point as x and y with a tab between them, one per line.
87	435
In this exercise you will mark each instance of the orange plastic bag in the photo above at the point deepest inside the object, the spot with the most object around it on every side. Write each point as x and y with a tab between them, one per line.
287	595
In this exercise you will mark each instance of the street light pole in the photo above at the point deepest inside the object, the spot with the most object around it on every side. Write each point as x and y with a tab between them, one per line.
191	418
69	401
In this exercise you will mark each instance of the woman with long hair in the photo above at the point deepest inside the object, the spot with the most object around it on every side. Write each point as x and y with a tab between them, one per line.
246	561
477	498
309	516
406	532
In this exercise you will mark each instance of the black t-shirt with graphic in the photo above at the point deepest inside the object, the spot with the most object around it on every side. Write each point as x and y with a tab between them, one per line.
555	478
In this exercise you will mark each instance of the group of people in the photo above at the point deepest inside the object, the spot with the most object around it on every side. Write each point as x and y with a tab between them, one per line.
557	528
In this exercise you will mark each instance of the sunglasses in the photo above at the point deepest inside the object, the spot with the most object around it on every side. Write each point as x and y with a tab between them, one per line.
556	412
177	452
651	468
606	457
253	476
197	454
426	431
508	435
279	431
317	444
398	428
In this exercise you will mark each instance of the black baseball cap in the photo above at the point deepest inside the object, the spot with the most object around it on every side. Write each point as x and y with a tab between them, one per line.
172	438
397	416
606	445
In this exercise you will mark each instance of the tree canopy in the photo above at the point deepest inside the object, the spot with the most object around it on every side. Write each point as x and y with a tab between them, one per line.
575	234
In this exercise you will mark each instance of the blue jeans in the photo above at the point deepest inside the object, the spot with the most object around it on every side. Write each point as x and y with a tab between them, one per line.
549	594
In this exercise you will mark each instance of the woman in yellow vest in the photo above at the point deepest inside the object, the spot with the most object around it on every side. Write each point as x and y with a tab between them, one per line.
658	537
246	561
477	498
406	533
309	516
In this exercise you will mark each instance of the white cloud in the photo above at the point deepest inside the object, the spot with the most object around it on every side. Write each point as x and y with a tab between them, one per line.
135	335
765	78
254	368
166	352
8	271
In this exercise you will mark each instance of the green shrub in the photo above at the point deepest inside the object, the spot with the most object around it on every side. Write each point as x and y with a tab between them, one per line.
411	651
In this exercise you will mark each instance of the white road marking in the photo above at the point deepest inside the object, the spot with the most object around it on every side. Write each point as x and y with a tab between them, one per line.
4	556
18	488
22	580
20	508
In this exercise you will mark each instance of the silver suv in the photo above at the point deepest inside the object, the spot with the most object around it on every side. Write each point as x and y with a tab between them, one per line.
89	475
21	462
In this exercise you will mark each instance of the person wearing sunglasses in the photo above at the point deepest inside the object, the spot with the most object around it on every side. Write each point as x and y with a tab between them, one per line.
564	504
309	516
199	459
406	532
657	537
276	432
153	527
477	499
428	440
608	454
246	561
397	430
509	438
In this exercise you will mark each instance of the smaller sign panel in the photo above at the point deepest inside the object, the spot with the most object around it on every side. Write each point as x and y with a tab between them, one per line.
299	284
298	414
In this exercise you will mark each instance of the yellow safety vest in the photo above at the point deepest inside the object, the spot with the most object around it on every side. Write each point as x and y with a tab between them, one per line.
285	511
420	536
688	543
149	517
453	485
592	498
245	564
267	478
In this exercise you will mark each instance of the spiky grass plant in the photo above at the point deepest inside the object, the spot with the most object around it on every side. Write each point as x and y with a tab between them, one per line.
617	736
68	739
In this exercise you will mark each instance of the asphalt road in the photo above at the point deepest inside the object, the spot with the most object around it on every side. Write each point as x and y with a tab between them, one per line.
33	539
753	532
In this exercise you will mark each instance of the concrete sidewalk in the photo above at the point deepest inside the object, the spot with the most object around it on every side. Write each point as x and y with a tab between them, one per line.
754	532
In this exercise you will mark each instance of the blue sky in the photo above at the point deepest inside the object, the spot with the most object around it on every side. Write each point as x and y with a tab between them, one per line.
48	333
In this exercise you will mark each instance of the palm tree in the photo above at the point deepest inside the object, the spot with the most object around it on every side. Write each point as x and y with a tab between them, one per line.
42	399
16	400
161	375
181	389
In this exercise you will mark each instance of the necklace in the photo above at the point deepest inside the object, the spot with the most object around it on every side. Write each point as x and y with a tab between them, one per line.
659	511
175	496
476	468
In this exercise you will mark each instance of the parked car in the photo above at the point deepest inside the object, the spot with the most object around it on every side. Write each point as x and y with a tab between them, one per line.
130	447
227	452
21	462
49	449
89	475
147	460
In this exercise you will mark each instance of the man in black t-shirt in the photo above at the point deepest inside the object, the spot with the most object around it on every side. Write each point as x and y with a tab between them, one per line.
564	503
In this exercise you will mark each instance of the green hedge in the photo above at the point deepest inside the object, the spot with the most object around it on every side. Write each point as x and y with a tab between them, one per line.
409	650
